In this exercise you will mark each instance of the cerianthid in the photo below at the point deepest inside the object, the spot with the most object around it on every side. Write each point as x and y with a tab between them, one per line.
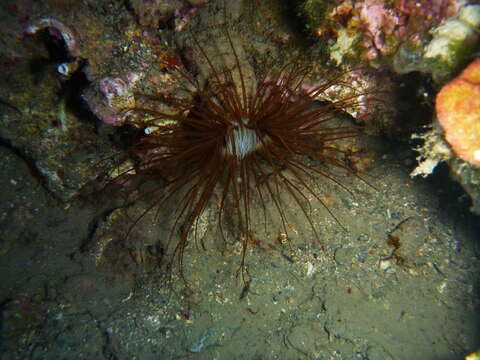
245	140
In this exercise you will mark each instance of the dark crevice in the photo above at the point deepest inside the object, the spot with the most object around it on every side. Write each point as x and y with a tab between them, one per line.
415	102
55	47
452	197
129	8
294	15
71	91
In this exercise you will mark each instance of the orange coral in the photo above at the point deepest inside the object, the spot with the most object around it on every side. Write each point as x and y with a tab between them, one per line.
458	111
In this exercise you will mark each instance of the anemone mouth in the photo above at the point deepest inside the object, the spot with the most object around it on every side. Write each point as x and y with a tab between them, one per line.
241	140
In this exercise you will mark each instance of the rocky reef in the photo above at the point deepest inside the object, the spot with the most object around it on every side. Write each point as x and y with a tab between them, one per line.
436	39
455	134
82	61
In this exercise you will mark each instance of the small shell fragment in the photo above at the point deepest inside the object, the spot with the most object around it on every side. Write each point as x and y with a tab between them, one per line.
442	286
385	264
310	269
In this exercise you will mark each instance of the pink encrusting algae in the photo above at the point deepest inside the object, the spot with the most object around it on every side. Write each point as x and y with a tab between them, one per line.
384	25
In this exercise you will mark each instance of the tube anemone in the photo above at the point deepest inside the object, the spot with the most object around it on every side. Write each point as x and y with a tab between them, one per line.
241	144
